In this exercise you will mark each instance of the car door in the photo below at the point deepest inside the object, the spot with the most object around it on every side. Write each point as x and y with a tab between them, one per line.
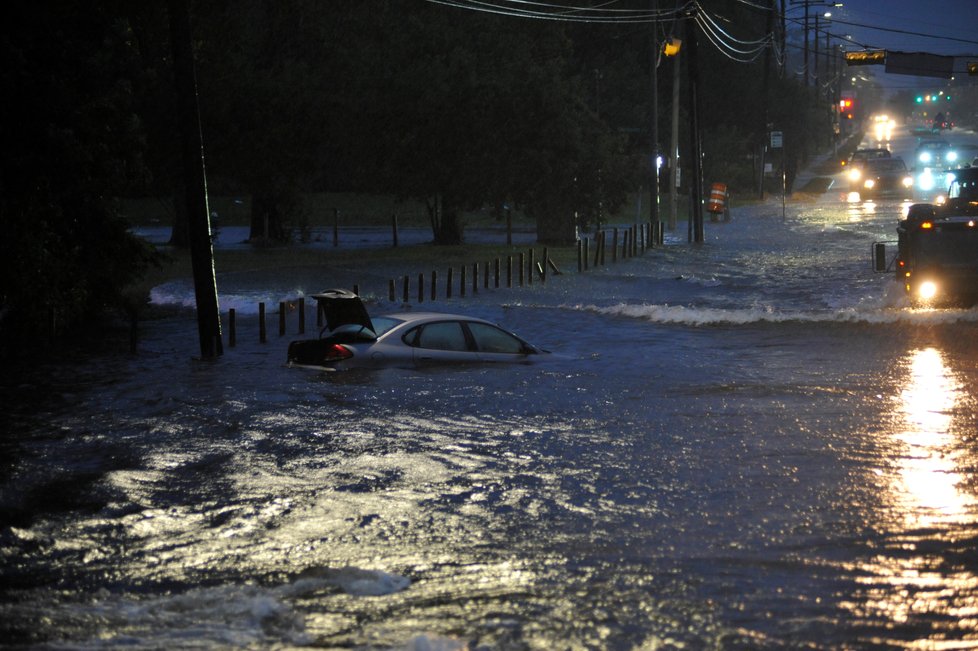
442	342
494	344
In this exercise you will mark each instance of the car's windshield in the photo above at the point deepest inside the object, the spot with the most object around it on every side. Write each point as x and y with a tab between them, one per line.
889	165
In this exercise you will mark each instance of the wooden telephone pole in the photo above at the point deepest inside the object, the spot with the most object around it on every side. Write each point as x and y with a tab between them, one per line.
195	181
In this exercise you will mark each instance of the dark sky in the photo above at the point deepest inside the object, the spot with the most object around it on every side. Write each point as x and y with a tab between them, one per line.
946	27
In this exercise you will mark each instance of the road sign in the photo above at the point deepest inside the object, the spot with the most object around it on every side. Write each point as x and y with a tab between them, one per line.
777	139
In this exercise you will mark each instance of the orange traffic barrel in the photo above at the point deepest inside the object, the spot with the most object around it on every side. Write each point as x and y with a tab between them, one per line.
718	198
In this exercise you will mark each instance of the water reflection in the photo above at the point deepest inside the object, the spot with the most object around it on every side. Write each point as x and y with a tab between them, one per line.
930	484
912	582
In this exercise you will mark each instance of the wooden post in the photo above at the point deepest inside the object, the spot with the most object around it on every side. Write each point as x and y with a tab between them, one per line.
461	280
485	276
475	278
356	288
448	283
232	330
496	274
521	264
434	284
261	323
336	226
614	246
529	275
598	237
407	289
187	117
509	271
281	318
604	240
302	315
587	246
421	287
394	227
543	266
580	263
391	290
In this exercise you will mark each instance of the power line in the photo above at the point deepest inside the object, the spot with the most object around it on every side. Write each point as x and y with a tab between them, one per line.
562	13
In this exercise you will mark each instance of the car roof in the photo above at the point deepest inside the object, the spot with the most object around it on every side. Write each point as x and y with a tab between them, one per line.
886	163
417	317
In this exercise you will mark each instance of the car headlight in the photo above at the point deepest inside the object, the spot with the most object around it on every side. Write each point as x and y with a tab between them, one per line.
854	174
926	181
927	290
951	156
869	184
907	181
925	157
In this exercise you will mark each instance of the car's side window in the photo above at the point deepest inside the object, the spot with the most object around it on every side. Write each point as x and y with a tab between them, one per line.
490	339
447	335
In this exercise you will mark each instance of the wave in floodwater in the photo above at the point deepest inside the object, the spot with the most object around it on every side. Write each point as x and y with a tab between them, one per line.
709	316
223	616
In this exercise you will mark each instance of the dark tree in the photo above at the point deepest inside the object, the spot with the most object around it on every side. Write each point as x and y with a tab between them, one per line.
72	143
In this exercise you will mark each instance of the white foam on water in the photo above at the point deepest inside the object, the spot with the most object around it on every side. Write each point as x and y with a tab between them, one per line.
708	316
220	616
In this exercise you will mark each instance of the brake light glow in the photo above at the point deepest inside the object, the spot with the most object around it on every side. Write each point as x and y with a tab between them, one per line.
337	353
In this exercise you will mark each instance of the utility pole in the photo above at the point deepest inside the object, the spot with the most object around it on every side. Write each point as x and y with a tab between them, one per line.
674	136
195	181
768	29
784	38
695	145
806	42
654	193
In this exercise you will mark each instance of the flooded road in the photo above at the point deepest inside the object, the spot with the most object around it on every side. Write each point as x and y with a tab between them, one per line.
748	444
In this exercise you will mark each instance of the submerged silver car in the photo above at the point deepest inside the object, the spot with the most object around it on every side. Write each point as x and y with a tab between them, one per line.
352	339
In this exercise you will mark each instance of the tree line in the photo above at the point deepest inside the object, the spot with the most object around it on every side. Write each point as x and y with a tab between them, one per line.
456	109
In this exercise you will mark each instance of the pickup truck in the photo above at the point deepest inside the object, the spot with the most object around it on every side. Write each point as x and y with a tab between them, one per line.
937	247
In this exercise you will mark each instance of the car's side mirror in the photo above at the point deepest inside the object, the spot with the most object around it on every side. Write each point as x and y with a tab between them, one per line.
879	257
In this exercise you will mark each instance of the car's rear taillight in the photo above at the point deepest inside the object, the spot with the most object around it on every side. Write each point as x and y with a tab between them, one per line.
337	353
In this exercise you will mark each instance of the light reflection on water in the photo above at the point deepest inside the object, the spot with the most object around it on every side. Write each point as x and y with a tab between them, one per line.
719	462
931	493
932	511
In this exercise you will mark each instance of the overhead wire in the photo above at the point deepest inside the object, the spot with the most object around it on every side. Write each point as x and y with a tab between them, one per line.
561	13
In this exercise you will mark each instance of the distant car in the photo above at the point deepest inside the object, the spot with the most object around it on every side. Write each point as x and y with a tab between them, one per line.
935	154
932	159
860	156
885	176
883	127
854	165
351	339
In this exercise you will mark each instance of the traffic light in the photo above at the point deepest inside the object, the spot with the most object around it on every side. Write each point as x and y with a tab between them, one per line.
846	107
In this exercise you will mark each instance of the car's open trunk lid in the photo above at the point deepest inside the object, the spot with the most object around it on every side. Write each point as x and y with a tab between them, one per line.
343	307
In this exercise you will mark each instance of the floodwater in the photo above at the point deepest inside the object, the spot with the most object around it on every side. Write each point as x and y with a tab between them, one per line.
748	444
